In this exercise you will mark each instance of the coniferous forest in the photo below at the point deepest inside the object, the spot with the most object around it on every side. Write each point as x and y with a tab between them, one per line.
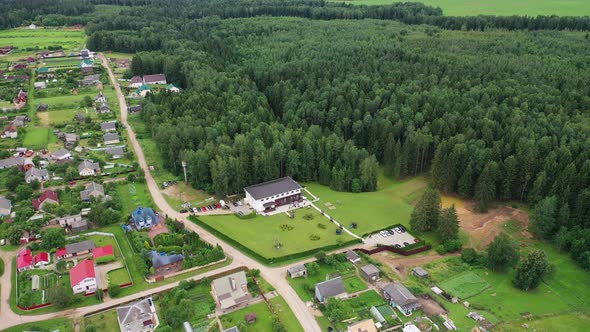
494	108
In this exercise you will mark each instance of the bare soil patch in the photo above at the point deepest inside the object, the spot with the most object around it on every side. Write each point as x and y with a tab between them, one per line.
404	265
430	306
160	228
44	118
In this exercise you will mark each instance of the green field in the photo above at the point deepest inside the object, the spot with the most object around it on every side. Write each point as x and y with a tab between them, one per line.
573	322
36	138
58	324
261	234
37	40
391	204
132	195
498	7
464	285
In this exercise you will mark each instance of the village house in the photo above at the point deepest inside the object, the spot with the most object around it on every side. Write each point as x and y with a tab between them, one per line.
74	224
110	138
5	207
231	290
40	85
401	298
21	120
367	325
10	131
115	152
42	107
108	126
75	249
420	272
92	189
134	109
330	288
104	251
353	257
36	174
103	109
85	53
154	79
136	82
20	66
48	197
6	49
41	259
32	27
83	277
21	97
143	90
269	195
100	98
370	272
297	271
144	217
165	263
139	316
90	80
21	162
88	168
61	154
24	260
87	70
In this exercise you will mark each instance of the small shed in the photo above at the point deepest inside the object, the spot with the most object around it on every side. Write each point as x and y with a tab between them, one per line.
377	315
250	318
370	272
353	257
420	272
297	271
35	282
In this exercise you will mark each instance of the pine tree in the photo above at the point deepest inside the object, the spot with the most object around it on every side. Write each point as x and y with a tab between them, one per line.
448	225
544	218
502	253
532	270
485	188
427	212
466	182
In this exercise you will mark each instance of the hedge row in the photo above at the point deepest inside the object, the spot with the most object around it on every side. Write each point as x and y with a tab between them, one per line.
262	259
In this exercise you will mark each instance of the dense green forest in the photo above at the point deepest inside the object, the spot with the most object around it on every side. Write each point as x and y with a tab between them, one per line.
328	92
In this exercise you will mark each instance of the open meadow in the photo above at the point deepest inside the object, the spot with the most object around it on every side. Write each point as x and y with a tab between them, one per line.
498	7
29	42
391	204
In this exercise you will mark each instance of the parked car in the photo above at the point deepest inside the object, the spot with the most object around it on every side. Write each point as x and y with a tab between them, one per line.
241	213
209	207
402	230
183	211
235	204
204	209
384	233
406	244
218	205
397	246
72	183
390	232
198	209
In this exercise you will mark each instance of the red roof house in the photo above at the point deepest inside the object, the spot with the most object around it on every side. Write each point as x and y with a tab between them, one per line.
61	253
103	251
41	258
48	196
19	66
24	260
83	277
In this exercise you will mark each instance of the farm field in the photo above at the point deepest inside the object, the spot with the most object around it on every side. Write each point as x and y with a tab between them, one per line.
391	204
498	7
575	322
261	234
58	324
36	40
37	138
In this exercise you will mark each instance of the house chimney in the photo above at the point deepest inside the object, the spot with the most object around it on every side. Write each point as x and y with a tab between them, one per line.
233	284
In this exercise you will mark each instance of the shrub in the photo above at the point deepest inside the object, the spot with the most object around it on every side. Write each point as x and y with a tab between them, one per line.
114	290
314	237
322	226
452	245
105	259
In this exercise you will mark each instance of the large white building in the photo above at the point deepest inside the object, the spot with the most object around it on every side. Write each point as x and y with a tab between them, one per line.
83	277
269	195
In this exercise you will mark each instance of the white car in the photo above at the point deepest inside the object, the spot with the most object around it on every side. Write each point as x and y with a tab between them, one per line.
397	230
384	233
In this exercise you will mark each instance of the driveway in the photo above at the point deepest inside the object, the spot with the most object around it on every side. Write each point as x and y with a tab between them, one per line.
103	270
391	240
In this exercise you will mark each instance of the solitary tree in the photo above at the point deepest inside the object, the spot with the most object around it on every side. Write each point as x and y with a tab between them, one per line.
313	268
53	238
502	253
427	211
532	270
448	225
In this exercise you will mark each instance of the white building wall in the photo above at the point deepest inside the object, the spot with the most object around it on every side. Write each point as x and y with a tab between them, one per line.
81	286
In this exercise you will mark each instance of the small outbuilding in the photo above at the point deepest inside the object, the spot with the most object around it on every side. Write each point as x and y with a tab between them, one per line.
353	257
420	272
35	283
370	272
297	271
250	318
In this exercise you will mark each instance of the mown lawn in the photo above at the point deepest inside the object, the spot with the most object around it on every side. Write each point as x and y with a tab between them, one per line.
464	285
263	318
261	234
498	7
37	40
58	324
37	138
67	115
104	321
118	277
132	195
391	204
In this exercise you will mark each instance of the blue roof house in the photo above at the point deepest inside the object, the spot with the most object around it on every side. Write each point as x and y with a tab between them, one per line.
144	217
166	263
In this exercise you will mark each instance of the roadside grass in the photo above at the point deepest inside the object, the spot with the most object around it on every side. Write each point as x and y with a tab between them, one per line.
262	234
286	315
57	324
37	138
391	204
464	285
497	7
103	321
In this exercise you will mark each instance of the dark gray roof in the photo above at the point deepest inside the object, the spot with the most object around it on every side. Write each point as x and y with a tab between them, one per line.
399	293
108	125
88	164
36	172
5	203
330	288
370	269
115	151
12	161
351	255
272	188
133	316
110	137
420	272
60	153
158	260
79	247
96	189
